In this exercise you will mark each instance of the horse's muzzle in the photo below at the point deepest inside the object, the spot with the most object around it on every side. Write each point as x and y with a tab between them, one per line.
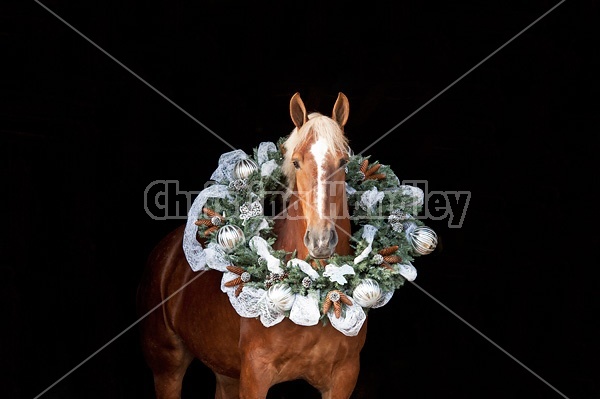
321	242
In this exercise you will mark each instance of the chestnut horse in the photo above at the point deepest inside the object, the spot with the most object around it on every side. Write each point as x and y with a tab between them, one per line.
198	321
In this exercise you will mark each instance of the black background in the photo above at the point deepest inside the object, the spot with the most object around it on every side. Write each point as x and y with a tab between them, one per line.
82	138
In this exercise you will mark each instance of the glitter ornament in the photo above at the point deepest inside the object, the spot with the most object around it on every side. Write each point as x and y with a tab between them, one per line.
244	168
396	218
334	296
245	276
378	259
306	282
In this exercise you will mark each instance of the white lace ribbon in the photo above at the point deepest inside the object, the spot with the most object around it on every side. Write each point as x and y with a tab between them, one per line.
368	234
263	151
227	161
245	303
252	302
261	247
263	225
305	310
350	322
350	190
417	194
192	249
385	298
370	198
305	267
408	271
216	258
267	166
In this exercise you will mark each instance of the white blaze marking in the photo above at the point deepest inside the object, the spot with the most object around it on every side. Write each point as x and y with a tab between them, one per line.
318	151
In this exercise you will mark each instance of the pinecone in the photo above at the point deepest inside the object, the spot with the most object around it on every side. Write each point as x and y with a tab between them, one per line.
363	166
337	309
388	250
210	213
238	290
344	298
387	266
210	230
373	169
235	269
326	306
203	222
369	173
377	176
234	282
392	259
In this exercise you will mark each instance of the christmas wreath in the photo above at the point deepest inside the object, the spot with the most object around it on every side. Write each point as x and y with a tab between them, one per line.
232	215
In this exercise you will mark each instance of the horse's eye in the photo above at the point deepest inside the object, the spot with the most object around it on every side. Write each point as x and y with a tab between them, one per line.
343	162
296	164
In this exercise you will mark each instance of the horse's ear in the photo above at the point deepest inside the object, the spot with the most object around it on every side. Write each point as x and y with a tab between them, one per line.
341	109
297	111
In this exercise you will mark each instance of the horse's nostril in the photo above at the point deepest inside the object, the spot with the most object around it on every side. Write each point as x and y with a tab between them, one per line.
307	239
333	238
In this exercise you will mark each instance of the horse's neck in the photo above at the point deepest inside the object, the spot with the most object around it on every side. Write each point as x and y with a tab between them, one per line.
290	230
344	231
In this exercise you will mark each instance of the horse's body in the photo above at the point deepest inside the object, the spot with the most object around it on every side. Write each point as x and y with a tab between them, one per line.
198	321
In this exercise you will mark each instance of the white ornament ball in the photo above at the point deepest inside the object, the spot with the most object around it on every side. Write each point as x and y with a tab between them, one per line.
280	297
423	240
367	293
230	236
244	168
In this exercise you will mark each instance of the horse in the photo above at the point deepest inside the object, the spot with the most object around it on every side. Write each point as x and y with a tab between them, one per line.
198	321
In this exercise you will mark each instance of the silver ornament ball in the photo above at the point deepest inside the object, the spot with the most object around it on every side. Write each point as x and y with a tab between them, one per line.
423	240
230	236
244	168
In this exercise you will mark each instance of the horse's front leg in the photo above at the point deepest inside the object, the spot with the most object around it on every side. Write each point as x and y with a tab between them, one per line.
343	380
227	387
169	370
256	377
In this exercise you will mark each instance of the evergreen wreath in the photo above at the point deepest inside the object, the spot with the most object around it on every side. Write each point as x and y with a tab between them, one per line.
387	237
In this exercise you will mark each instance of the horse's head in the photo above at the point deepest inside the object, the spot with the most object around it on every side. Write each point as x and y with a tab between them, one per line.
315	154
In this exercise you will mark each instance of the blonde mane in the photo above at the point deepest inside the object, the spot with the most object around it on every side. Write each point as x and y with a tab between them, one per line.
323	127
